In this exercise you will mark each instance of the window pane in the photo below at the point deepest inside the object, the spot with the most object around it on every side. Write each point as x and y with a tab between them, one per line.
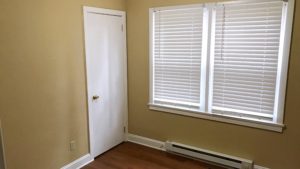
247	42
177	56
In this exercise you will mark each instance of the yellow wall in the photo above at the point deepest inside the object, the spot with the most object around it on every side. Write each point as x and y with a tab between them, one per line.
42	80
43	92
274	150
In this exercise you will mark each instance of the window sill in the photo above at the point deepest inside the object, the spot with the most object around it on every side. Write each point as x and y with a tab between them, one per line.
220	118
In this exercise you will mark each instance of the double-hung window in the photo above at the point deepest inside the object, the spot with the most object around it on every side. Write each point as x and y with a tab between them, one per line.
222	61
177	56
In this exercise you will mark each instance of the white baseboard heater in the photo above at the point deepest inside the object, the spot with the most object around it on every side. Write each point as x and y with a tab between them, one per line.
210	156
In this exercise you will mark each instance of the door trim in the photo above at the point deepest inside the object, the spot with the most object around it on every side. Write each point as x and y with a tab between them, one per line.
121	14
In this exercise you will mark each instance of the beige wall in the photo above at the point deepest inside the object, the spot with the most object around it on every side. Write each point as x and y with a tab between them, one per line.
275	150
43	92
42	80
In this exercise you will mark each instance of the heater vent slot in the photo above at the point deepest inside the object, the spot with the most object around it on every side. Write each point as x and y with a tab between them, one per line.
210	156
205	153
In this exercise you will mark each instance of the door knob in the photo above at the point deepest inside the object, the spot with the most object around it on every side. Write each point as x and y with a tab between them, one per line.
95	97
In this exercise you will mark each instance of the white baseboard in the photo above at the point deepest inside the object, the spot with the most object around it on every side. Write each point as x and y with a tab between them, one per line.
159	145
260	167
146	142
82	161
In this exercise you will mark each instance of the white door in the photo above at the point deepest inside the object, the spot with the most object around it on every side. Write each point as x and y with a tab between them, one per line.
106	77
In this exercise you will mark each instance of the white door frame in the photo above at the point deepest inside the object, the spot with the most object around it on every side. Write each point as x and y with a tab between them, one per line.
121	14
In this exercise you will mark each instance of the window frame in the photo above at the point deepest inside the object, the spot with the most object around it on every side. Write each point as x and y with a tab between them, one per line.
207	71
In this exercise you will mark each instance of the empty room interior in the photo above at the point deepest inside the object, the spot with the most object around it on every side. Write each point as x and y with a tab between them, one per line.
149	84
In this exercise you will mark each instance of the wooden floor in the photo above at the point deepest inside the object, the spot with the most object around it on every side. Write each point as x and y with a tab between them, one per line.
132	156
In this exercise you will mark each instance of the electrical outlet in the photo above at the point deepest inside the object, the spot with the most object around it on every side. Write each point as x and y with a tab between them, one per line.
72	145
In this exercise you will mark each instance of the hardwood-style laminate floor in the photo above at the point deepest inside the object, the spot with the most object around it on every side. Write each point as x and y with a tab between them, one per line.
133	156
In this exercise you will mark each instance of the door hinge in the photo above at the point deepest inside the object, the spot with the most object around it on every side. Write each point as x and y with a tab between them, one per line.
124	129
122	27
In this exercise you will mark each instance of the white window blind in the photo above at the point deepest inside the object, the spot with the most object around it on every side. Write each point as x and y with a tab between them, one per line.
246	58
223	61
177	50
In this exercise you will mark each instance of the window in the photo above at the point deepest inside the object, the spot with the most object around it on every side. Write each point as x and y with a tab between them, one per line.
177	57
222	61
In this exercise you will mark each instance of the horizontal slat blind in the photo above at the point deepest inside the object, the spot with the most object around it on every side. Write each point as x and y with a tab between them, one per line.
177	56
247	39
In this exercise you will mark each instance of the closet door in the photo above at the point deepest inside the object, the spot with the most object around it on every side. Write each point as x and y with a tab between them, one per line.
106	77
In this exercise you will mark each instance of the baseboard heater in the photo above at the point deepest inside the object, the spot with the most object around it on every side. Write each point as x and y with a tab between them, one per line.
209	156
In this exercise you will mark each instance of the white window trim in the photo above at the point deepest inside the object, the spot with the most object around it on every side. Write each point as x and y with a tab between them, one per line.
220	118
285	54
277	125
